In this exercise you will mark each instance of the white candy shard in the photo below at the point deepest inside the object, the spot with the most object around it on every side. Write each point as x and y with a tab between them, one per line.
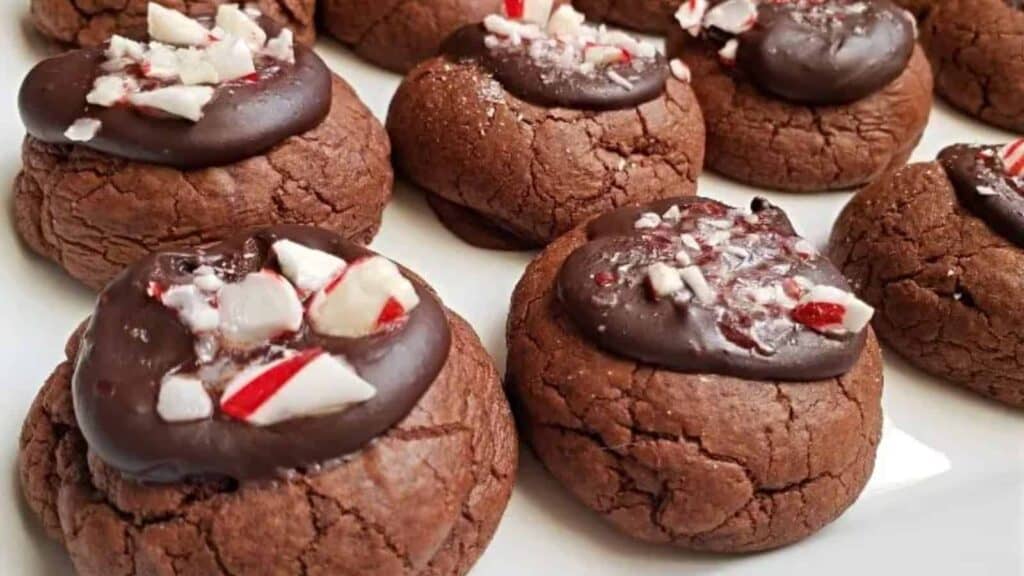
728	51
194	68
323	384
683	258
183	399
83	129
238	24
857	313
647	221
695	280
124	48
732	16
282	47
161	62
603	55
206	279
308	269
369	295
184	101
566	21
537	11
260	307
231	58
690	15
664	279
173	27
680	70
672	214
108	90
619	80
193	307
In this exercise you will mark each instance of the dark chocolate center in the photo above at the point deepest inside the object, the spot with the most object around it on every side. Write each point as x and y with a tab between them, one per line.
604	287
527	78
245	117
826	52
983	186
133	341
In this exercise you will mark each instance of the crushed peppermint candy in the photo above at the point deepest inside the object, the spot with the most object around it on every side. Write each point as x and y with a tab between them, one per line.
242	325
1012	156
744	269
563	44
178	71
83	130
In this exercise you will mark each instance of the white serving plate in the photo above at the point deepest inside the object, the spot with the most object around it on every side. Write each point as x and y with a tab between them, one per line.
946	498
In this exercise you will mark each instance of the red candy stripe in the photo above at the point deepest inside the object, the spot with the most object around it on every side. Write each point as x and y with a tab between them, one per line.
819	315
1013	158
514	9
392	311
255	393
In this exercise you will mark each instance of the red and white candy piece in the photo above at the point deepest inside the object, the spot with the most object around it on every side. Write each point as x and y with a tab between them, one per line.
192	305
183	399
369	296
1012	156
536	11
732	16
184	101
308	269
231	19
173	27
829	309
690	15
601	55
261	307
307	383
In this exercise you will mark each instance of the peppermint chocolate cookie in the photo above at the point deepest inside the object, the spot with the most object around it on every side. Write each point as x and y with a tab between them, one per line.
529	127
805	95
697	375
938	247
399	35
281	403
89	23
201	133
975	48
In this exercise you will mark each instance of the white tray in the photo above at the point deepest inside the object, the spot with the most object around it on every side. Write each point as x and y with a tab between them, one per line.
947	496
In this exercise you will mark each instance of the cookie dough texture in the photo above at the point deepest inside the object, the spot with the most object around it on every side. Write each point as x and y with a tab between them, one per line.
653	16
975	48
703	462
424	499
768	142
948	290
398	34
91	22
537	172
94	214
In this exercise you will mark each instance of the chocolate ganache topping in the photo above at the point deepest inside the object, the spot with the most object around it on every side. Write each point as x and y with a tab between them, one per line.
816	52
563	62
693	285
285	349
989	181
201	96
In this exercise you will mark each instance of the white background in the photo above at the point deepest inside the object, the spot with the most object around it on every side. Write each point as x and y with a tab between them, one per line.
947	496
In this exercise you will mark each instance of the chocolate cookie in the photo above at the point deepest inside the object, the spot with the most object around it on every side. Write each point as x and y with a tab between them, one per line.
269	438
937	247
974	47
805	95
534	136
88	23
697	374
398	35
653	16
135	148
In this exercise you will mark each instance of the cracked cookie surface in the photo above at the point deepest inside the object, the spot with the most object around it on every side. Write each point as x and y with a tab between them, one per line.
769	142
975	49
537	172
947	289
91	22
702	462
398	34
93	214
423	499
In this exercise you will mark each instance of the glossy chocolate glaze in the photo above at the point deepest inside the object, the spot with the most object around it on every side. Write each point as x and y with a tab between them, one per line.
133	340
244	118
691	338
521	75
804	52
983	187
